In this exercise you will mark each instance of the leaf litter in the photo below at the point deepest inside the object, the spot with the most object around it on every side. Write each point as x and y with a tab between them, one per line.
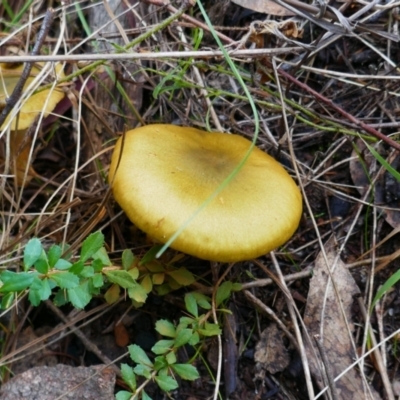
329	316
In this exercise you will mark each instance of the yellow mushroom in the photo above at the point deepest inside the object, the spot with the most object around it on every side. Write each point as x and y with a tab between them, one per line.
41	102
33	105
166	172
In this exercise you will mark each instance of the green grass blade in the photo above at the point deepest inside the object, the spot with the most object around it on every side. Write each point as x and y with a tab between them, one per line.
239	78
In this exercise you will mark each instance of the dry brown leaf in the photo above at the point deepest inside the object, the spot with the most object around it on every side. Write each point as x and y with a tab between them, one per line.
121	335
271	353
328	321
264	6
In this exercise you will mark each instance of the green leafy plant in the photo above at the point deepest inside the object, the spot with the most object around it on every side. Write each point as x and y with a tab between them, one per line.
55	272
164	369
77	280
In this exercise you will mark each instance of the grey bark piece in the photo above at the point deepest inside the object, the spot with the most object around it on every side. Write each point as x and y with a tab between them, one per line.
110	105
49	383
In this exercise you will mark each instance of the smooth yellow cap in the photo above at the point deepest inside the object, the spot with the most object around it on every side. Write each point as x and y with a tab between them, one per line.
166	172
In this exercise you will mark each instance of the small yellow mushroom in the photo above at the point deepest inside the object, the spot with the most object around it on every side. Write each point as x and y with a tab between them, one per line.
166	172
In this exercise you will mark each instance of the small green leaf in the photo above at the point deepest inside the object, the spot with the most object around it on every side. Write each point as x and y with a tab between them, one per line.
54	255
15	282
77	268
112	294
150	255
138	355
134	273
184	322
210	330
79	297
182	276
195	339
42	287
202	300
158	279
97	265
91	245
223	292
128	376
186	371
65	280
121	278
155	267
62	264
147	283
87	272
183	337
162	346
170	358
34	297
97	280
160	364
127	259
237	287
166	383
41	265
165	328
124	395
102	255
137	293
142	370
32	252
46	290
191	304
39	291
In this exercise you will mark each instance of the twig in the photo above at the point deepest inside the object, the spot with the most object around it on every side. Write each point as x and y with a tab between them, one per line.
367	128
378	356
214	314
291	308
17	92
268	311
101	58
327	366
88	344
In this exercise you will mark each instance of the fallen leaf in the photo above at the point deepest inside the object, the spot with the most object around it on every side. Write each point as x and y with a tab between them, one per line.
121	335
325	318
271	353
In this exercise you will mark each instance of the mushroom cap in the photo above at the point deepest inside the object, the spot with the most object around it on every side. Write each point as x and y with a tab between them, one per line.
33	105
166	172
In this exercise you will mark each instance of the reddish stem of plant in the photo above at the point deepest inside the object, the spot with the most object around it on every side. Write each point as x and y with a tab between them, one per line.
367	128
